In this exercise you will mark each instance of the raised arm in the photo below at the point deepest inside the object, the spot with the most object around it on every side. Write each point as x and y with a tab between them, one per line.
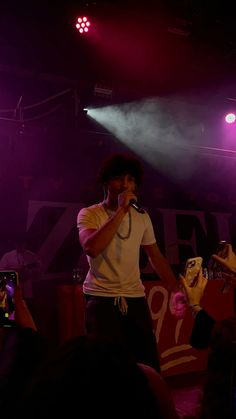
95	241
194	294
229	261
203	324
161	266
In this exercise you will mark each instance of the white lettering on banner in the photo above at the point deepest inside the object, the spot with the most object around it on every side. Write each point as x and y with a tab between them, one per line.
177	329
171	239
159	317
176	362
67	222
222	220
59	232
175	349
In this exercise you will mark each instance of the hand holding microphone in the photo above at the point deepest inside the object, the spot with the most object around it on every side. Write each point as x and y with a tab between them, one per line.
128	199
134	204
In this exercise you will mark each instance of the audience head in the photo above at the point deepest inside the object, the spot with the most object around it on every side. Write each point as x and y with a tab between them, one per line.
93	377
219	392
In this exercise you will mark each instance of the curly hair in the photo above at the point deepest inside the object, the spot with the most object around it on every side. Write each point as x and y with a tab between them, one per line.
119	164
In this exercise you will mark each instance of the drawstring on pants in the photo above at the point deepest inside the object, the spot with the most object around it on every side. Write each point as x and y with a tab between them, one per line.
122	305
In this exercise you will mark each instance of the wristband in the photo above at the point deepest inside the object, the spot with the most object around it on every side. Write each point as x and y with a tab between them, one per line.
195	312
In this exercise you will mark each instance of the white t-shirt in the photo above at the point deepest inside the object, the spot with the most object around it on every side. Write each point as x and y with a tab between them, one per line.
115	271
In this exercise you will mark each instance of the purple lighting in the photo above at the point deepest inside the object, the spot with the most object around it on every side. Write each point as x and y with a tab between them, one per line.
230	118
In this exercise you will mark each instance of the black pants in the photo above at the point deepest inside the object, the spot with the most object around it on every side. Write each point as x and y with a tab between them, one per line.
103	320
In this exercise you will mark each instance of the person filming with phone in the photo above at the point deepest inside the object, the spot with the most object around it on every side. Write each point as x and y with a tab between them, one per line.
219	391
3	301
204	323
28	266
22	349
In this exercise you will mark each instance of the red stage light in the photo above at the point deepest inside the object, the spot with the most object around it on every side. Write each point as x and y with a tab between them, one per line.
82	24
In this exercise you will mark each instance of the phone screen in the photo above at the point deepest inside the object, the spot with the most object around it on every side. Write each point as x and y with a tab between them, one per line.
8	281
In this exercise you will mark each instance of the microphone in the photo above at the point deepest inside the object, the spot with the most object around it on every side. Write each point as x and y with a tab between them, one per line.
136	206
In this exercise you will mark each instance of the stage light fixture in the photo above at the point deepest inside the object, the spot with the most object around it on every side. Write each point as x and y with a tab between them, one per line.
83	24
230	118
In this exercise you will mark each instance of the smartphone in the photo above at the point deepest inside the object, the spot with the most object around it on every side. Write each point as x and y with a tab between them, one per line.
8	281
192	269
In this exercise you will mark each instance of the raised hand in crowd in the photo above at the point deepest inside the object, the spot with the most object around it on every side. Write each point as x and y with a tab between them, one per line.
22	349
194	293
23	317
229	259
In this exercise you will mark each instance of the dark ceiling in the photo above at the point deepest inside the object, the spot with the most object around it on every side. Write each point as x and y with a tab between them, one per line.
141	48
